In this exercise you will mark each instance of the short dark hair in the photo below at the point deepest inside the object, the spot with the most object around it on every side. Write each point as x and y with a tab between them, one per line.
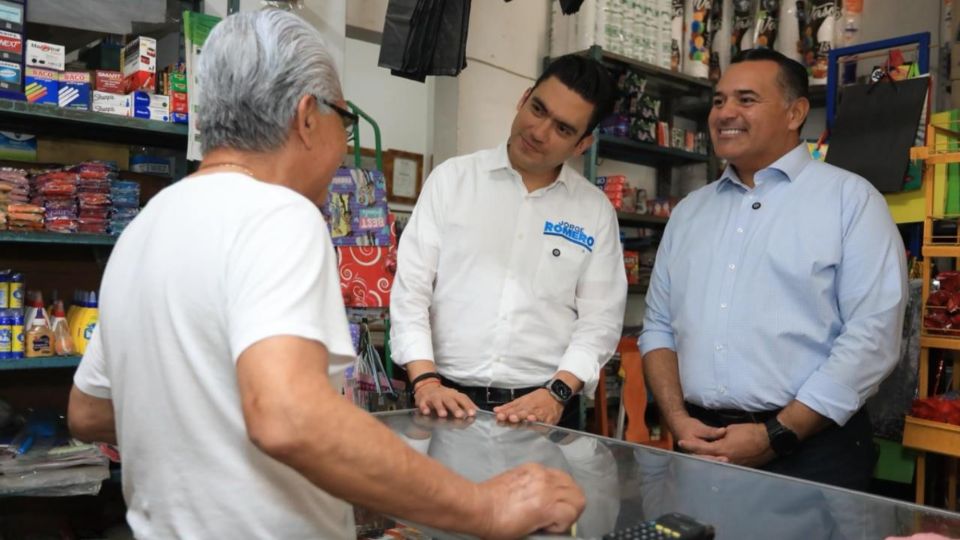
589	79
793	77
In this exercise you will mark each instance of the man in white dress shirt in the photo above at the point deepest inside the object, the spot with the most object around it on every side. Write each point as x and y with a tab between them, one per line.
510	284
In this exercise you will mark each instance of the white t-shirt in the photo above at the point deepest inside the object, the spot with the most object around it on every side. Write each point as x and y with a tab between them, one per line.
212	265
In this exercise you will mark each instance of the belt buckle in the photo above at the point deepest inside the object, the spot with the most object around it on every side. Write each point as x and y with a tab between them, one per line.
495	395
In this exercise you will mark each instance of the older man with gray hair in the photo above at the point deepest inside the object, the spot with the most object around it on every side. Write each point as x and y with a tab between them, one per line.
222	338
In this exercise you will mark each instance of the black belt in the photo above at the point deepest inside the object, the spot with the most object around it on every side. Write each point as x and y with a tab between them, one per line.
725	417
489	394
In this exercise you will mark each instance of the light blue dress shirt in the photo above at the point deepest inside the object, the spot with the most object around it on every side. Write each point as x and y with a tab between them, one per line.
794	289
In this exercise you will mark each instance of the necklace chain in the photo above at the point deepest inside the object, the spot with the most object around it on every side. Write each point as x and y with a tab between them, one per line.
228	164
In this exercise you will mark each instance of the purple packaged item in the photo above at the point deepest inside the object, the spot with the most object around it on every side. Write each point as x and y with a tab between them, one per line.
356	209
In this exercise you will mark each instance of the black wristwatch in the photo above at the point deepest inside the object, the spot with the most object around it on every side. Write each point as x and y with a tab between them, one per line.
560	390
783	441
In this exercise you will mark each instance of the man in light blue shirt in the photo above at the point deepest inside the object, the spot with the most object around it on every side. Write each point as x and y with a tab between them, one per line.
776	303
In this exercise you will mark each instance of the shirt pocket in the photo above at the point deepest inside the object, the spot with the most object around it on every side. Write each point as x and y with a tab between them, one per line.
558	270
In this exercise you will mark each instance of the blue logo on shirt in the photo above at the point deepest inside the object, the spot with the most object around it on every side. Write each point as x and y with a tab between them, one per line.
569	231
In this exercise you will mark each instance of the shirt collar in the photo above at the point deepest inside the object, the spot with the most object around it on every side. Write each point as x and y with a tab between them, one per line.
498	160
790	165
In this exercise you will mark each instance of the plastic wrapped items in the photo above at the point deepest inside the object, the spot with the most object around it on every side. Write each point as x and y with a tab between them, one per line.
24	217
942	309
125	198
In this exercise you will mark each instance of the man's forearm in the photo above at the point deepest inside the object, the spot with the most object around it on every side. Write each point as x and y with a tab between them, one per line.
351	455
662	374
802	420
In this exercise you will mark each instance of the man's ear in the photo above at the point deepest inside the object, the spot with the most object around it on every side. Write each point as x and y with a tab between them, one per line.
306	121
797	113
523	98
584	144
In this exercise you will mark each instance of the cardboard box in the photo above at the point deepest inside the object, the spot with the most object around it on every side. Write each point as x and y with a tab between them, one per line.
178	102
140	65
41	85
105	102
18	146
11	77
108	81
74	90
45	55
11	46
150	106
178	82
179	118
156	165
11	16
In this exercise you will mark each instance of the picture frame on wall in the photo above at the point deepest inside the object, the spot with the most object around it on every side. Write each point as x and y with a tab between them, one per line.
404	175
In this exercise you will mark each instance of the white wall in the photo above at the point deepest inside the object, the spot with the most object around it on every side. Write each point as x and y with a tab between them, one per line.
402	108
328	16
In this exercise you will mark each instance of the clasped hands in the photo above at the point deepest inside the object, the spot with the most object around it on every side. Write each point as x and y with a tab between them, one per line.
740	444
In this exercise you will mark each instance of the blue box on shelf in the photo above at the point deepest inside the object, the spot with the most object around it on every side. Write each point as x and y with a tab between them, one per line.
11	76
74	90
41	85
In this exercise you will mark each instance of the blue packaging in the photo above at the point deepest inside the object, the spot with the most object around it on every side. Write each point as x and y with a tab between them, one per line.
41	85
74	90
6	334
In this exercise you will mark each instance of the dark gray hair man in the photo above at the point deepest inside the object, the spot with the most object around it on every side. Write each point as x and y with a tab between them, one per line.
218	359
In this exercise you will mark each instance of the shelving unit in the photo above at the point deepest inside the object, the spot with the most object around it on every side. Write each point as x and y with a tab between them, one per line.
680	95
43	237
47	362
926	435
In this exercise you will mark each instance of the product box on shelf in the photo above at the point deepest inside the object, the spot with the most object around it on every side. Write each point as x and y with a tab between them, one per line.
10	76
74	91
105	102
41	85
150	106
45	55
108	81
11	15
179	118
178	102
18	146
178	82
631	263
11	46
147	164
140	65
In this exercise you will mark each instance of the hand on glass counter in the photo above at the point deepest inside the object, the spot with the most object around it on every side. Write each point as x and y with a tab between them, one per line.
439	399
532	497
537	406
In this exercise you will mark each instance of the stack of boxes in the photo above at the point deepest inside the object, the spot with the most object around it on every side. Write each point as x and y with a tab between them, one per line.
130	91
11	46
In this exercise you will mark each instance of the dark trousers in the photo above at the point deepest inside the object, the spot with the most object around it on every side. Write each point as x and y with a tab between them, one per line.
842	456
488	398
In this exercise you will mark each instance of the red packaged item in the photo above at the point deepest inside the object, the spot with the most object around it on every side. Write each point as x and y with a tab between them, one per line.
61	225
58	189
938	409
108	81
24	209
366	272
631	263
95	213
93	199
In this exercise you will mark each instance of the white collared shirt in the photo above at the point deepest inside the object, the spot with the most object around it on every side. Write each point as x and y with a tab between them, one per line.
501	287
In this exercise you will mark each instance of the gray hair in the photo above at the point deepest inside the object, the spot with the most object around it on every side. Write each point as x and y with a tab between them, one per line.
254	69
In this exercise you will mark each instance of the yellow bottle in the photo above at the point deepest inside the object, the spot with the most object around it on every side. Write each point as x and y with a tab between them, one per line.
84	322
39	337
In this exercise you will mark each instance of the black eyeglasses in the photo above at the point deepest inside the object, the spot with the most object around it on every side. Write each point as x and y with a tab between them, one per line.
349	119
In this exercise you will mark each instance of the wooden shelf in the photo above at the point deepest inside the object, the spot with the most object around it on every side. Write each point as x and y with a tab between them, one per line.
642	220
941	251
642	153
44	237
931	436
51	120
940	342
46	362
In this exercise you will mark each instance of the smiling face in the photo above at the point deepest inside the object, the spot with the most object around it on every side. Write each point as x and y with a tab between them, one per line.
548	128
752	123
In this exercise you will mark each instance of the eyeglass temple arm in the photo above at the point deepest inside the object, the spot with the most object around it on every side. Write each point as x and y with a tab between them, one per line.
356	137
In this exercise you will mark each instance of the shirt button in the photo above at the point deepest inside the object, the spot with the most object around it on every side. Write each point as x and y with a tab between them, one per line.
519	237
723	306
723	389
719	347
740	230
732	267
498	359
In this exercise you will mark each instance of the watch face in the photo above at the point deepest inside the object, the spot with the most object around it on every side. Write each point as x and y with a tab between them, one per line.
561	389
